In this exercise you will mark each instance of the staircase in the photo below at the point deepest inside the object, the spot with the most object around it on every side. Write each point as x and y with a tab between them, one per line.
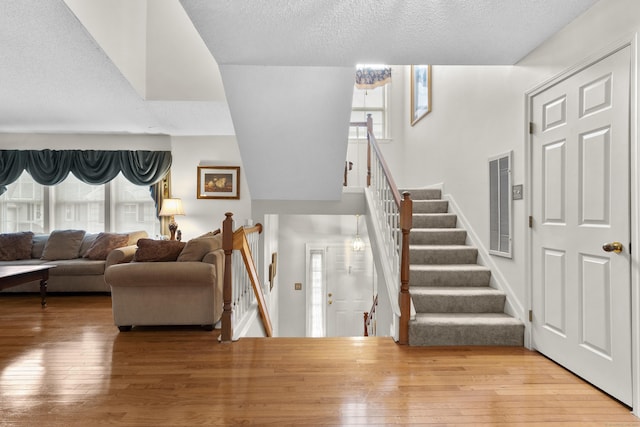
453	300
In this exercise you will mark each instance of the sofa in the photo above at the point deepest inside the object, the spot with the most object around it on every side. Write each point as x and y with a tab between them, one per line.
80	258
168	283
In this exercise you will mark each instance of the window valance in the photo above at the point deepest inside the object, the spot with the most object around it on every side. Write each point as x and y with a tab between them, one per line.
51	167
372	77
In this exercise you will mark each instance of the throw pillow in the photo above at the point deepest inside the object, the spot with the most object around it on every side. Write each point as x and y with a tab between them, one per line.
196	249
150	250
14	246
63	244
104	244
210	233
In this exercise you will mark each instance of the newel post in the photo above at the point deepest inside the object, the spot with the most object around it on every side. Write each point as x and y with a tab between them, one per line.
406	222
227	245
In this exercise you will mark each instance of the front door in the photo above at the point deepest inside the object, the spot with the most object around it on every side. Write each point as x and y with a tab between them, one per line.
581	292
349	290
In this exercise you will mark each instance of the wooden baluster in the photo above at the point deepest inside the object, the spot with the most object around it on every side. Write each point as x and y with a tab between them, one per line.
406	222
226	334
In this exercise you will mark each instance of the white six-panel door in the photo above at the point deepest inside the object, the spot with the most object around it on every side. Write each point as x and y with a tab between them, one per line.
581	294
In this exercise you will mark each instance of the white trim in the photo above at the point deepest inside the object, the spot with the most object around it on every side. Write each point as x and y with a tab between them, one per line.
634	164
509	156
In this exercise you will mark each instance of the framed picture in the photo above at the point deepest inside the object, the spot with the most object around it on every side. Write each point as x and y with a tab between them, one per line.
218	182
420	92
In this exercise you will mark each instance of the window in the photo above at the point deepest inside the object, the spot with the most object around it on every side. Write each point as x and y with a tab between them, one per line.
369	101
315	293
500	205
116	206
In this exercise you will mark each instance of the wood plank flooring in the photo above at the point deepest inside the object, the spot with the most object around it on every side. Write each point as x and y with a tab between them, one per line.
67	365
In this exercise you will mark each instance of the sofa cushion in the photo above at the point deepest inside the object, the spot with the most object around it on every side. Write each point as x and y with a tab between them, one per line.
87	241
63	244
150	250
76	267
14	246
196	249
104	243
39	240
134	236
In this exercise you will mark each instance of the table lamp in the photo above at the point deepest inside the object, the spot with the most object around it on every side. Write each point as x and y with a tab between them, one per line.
171	207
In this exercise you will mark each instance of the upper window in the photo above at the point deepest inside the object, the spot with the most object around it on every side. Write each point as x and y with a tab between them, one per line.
116	206
370	97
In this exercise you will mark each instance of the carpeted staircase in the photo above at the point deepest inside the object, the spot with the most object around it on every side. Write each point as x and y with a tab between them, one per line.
453	300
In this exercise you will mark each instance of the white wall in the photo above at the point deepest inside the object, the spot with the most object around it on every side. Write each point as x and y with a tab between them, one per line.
479	111
202	215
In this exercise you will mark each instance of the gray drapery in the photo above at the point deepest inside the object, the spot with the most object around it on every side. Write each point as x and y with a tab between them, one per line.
51	167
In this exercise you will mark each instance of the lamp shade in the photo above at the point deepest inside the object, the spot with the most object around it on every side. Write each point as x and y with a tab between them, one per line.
171	207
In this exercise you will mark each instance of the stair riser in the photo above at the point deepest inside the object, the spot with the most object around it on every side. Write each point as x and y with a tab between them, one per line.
441	335
449	278
459	304
424	194
430	206
428	237
435	256
434	221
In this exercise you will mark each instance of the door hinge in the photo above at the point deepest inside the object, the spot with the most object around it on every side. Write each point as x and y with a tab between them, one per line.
530	128
530	221
530	315
629	248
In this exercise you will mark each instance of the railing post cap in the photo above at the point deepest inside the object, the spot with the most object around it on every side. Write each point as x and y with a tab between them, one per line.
228	214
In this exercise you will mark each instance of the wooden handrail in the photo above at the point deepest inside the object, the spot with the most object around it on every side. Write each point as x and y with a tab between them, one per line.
373	143
241	243
238	241
404	207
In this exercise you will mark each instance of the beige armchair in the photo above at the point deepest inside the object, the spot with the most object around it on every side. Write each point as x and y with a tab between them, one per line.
182	292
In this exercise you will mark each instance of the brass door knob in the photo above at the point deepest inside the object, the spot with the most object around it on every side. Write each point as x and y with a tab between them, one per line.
330	302
612	247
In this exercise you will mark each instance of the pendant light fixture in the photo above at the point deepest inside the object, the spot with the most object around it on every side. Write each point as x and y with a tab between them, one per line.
358	243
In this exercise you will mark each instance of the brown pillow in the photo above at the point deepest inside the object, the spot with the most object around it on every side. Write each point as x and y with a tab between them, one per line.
104	244
210	233
150	250
63	244
15	246
197	248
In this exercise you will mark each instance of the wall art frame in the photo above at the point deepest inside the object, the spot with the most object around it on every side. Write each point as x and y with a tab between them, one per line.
218	182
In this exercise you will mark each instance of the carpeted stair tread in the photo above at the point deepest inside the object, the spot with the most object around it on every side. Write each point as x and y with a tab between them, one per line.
438	236
423	193
449	275
431	329
434	220
450	292
430	206
442	254
458	300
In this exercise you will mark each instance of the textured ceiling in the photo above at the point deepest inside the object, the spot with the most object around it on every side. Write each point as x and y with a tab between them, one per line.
344	33
55	78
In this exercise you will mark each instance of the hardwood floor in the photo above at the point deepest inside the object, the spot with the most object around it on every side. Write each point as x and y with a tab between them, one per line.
67	365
